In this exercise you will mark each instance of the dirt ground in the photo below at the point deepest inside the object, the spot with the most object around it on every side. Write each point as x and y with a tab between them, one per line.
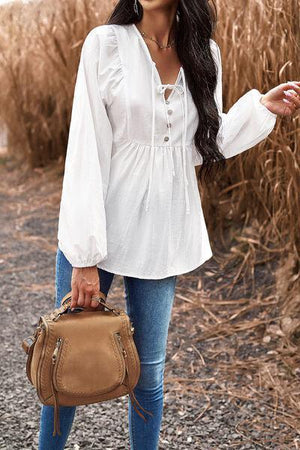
219	392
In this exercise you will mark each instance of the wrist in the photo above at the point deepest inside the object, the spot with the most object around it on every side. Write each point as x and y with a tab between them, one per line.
262	100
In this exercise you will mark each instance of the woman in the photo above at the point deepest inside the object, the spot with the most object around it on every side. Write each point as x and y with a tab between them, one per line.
147	109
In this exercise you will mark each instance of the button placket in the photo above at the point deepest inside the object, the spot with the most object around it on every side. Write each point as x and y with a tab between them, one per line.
169	128
169	112
167	102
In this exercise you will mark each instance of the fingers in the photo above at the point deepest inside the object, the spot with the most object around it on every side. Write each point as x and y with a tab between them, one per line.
292	85
294	88
85	284
292	95
291	99
289	109
74	296
81	297
94	304
88	298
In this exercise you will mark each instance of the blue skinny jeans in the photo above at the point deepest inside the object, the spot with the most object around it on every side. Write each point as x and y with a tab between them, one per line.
149	305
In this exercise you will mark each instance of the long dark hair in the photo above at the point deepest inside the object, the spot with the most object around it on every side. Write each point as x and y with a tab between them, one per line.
196	24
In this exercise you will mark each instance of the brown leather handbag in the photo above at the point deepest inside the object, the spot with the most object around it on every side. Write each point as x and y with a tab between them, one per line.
83	356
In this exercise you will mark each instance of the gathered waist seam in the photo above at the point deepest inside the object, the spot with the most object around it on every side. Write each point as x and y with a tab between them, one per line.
143	145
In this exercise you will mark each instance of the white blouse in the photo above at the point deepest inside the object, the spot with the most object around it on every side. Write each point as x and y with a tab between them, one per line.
130	201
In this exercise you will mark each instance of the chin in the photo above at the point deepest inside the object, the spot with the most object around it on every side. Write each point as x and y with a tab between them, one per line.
156	4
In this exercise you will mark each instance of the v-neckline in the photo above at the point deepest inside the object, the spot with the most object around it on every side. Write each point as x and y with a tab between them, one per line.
147	51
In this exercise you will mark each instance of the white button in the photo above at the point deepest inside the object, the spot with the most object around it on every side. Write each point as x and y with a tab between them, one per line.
166	138
167	102
170	111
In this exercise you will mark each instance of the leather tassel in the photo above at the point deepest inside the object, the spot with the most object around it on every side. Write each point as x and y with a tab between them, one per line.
56	419
133	398
135	402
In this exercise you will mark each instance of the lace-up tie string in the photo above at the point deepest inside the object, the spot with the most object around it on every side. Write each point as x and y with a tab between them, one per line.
182	91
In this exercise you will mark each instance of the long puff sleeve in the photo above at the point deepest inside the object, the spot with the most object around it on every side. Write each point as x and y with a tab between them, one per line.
82	222
246	123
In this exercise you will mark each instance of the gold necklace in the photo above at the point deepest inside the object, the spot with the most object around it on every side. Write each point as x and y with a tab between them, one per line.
160	46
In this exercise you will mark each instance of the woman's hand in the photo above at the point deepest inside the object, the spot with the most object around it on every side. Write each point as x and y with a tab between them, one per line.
283	99
85	283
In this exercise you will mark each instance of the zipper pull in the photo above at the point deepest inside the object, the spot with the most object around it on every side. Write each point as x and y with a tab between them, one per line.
54	355
123	349
131	327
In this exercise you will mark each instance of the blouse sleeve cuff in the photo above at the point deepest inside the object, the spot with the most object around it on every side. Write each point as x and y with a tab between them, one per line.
262	107
83	261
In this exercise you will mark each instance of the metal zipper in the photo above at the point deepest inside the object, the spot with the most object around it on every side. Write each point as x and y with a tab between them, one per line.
56	429
131	327
57	347
121	344
44	326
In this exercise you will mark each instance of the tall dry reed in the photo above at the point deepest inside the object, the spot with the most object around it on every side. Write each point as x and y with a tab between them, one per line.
39	51
260	188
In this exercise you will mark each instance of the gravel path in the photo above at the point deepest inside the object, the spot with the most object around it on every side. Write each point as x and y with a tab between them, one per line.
204	409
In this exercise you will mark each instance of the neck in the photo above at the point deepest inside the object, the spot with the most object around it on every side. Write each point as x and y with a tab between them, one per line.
158	25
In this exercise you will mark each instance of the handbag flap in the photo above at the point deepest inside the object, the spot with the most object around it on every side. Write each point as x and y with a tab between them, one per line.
89	360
